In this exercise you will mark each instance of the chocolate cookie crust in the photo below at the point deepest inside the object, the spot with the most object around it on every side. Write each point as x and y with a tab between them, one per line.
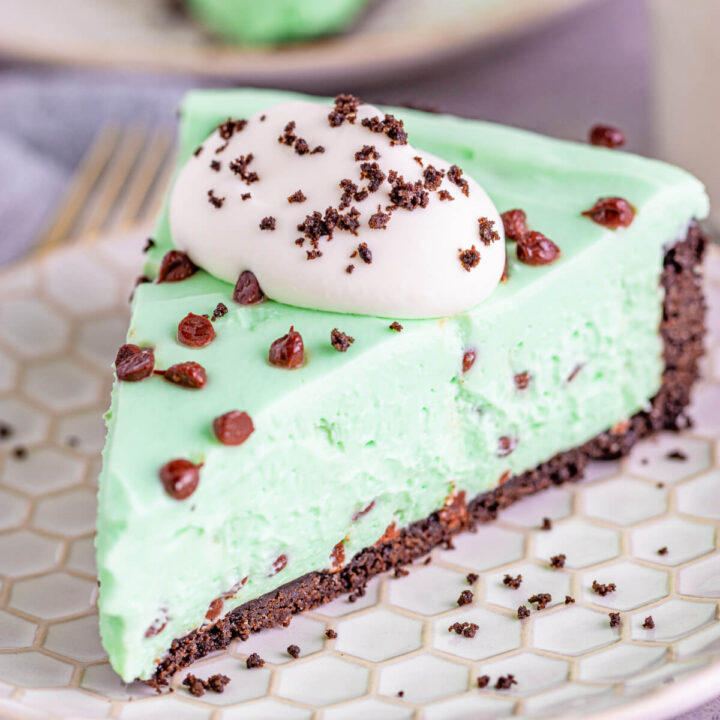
682	328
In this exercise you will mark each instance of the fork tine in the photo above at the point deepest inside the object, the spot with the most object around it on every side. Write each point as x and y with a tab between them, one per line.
112	182
156	194
90	169
154	157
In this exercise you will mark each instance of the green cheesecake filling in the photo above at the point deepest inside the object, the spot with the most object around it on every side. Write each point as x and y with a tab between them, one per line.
353	444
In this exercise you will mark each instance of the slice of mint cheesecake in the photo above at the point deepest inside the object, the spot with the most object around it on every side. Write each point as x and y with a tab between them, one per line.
368	330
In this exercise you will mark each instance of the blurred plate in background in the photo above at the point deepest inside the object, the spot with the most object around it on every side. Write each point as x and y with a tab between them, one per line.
393	36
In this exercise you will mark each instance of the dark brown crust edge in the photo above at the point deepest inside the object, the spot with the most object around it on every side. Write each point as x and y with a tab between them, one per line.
682	329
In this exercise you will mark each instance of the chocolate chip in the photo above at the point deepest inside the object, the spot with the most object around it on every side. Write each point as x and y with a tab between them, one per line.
340	341
214	609
186	374
180	478
522	380
268	223
175	266
469	357
407	195
514	224
6	430
558	561
483	681
469	258
247	289
523	612
195	331
512	582
279	563
611	212
649	623
506	445
488	235
287	351
534	248
466	597
606	136
603	589
293	651
233	428
614	619
395	326
254	661
133	363
20	452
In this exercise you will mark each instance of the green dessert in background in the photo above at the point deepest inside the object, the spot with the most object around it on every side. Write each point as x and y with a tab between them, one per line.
274	21
353	446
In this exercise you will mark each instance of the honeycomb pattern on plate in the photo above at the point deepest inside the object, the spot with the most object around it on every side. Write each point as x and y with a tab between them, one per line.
62	318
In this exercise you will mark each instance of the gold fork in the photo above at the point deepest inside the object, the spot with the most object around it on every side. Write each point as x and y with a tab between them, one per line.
120	183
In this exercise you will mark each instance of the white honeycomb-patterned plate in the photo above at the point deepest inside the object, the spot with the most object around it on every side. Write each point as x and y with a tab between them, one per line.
62	318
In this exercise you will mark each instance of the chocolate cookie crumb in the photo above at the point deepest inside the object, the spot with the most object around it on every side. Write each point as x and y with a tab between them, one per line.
400	693
522	380
365	253
487	234
407	195
513	582
466	597
400	572
603	589
505	682
219	311
662	551
217	683
523	612
676	455
558	561
254	661
469	357
472	578
469	258
297	197
340	341
149	244
330	634
649	623
346	106
541	599
20	452
395	326
389	126
349	269
268	223
368	152
293	651
546	524
195	686
239	166
466	629
215	165
379	220
455	176
373	174
432	177
214	200
569	599
6	430
245	196
198	150
483	681
445	195
614	619
313	254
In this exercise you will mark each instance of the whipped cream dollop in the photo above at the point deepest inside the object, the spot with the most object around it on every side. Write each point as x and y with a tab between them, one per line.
332	209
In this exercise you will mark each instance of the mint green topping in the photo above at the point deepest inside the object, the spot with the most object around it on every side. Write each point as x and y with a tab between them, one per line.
392	421
253	22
